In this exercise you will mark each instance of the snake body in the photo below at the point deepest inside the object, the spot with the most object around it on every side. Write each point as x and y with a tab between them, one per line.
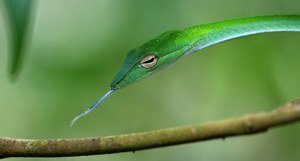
170	46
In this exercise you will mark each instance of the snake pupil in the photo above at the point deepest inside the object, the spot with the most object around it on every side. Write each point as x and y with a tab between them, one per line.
148	61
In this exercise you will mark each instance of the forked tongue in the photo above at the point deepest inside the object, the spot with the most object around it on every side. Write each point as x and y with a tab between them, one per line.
91	108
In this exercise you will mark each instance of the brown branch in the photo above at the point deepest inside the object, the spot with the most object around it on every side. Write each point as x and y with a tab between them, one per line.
249	124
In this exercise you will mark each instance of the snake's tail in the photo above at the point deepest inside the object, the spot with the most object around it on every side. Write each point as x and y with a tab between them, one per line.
103	98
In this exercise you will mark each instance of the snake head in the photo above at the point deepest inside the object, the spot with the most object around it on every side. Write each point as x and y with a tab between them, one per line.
142	62
150	58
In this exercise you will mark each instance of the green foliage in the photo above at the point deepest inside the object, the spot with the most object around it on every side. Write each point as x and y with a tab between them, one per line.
18	17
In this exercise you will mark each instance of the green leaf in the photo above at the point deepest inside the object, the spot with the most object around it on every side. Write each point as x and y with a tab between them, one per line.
18	17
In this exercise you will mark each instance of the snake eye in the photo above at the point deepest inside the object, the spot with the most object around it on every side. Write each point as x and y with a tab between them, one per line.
149	61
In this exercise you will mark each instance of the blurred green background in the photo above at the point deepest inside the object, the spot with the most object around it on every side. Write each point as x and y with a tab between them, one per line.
78	46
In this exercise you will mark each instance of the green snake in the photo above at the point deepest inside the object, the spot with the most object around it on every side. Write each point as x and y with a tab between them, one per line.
170	46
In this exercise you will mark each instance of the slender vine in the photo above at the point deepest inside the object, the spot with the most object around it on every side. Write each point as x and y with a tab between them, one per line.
245	125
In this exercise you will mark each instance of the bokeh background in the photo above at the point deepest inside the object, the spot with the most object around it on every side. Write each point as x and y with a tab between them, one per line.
78	46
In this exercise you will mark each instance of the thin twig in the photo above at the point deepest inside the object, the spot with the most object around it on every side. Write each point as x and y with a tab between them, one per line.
249	124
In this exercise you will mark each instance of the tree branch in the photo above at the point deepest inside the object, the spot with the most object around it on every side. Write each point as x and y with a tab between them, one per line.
249	124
